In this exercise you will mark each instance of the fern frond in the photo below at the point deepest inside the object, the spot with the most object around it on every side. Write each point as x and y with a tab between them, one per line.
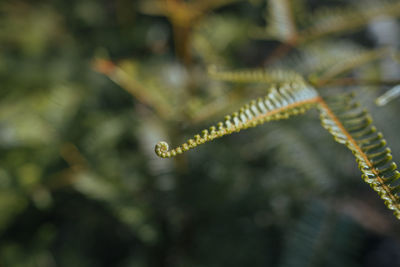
388	96
320	66
329	21
318	57
323	62
351	126
255	75
349	64
280	20
323	22
281	102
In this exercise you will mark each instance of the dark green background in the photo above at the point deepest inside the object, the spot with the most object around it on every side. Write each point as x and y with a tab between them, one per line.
80	184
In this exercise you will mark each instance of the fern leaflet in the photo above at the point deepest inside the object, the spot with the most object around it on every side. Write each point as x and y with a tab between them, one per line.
255	75
352	127
282	101
388	96
340	115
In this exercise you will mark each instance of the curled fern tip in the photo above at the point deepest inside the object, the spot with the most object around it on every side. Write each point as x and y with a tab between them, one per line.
161	149
281	102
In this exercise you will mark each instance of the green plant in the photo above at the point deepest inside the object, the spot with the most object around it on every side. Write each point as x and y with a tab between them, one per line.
290	93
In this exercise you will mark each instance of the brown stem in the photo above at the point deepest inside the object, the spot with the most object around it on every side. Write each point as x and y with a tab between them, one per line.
358	149
182	43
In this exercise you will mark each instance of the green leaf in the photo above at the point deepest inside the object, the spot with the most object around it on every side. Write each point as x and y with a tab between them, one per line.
351	126
281	102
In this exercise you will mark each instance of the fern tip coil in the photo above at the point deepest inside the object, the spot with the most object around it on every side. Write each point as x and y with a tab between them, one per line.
161	149
281	102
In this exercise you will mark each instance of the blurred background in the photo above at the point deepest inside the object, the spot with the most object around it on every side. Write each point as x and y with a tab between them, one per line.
89	87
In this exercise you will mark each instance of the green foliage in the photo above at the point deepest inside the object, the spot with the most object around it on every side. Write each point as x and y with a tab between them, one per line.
352	127
339	115
88	87
281	102
292	96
